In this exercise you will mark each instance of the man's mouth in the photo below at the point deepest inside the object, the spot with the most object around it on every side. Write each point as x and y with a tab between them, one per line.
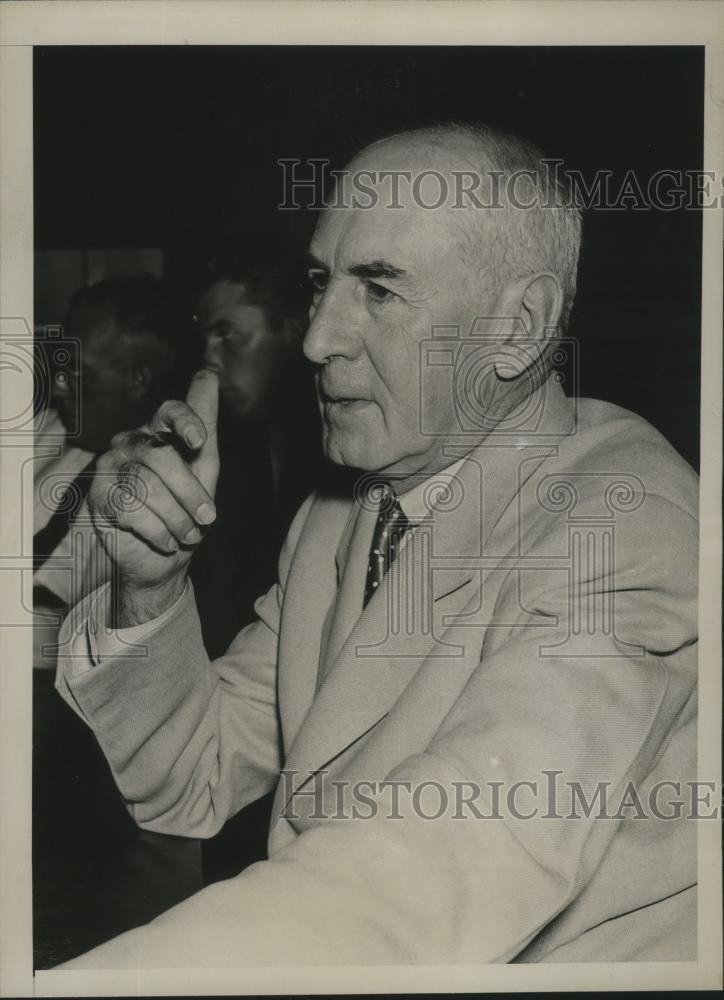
330	394
338	399
341	400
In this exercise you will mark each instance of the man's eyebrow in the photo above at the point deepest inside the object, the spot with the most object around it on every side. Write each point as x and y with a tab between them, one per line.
219	326
368	271
378	269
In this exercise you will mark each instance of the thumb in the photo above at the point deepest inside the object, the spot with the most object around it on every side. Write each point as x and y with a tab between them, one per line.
203	398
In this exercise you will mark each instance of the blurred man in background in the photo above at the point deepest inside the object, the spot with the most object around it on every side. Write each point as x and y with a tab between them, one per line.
121	356
251	316
121	350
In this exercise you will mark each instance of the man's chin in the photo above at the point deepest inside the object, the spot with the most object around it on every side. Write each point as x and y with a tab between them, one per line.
353	454
350	433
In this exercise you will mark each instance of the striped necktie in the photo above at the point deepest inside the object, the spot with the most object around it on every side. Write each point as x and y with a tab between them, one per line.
390	527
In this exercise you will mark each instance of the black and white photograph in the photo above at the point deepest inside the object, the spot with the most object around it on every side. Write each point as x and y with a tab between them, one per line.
361	432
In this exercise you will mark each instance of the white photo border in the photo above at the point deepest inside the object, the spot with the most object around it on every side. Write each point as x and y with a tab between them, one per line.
363	22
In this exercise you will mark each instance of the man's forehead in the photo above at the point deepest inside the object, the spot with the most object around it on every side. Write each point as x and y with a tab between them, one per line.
405	236
229	302
376	213
224	295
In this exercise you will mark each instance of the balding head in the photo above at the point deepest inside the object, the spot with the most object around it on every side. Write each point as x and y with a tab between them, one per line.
451	231
511	212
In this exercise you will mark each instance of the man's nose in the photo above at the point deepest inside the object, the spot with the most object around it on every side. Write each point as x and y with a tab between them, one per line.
333	330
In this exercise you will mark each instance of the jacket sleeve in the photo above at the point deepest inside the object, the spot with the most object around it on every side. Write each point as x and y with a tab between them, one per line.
189	741
410	885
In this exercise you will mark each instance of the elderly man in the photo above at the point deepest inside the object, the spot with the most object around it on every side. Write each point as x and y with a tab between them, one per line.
474	672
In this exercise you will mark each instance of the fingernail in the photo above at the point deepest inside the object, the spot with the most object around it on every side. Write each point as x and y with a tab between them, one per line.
172	544
193	536
194	438
206	513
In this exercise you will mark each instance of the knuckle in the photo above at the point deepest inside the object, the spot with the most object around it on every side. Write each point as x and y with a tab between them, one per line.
129	491
130	471
139	441
118	440
120	518
105	510
169	409
180	522
170	511
102	492
158	536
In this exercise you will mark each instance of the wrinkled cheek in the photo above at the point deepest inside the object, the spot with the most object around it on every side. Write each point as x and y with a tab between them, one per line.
438	406
349	439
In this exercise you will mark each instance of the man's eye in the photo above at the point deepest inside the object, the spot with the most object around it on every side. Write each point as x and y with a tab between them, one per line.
233	333
378	293
318	280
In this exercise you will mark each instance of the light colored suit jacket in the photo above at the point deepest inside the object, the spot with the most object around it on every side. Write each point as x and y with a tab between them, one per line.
540	627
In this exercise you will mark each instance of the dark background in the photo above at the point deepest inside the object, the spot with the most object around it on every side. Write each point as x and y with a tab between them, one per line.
177	148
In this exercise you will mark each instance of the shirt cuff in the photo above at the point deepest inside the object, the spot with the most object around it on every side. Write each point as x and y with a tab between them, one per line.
93	641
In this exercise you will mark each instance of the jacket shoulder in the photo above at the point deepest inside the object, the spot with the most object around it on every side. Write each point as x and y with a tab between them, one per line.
609	440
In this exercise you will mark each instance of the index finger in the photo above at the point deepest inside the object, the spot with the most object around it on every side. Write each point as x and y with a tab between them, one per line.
178	420
203	397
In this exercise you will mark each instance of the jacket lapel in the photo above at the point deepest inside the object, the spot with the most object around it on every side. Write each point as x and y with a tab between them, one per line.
373	653
351	561
309	600
436	582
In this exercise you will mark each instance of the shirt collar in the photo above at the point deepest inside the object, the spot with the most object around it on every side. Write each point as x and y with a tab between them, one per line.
417	502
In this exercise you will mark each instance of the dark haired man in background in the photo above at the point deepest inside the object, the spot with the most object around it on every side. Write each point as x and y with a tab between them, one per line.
121	352
123	358
251	314
128	361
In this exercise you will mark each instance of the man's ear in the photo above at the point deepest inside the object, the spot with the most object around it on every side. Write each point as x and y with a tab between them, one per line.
534	303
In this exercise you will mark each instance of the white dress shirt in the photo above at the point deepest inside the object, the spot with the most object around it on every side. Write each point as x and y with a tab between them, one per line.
78	564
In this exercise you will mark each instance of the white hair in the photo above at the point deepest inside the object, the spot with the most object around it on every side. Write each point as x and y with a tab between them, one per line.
511	241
